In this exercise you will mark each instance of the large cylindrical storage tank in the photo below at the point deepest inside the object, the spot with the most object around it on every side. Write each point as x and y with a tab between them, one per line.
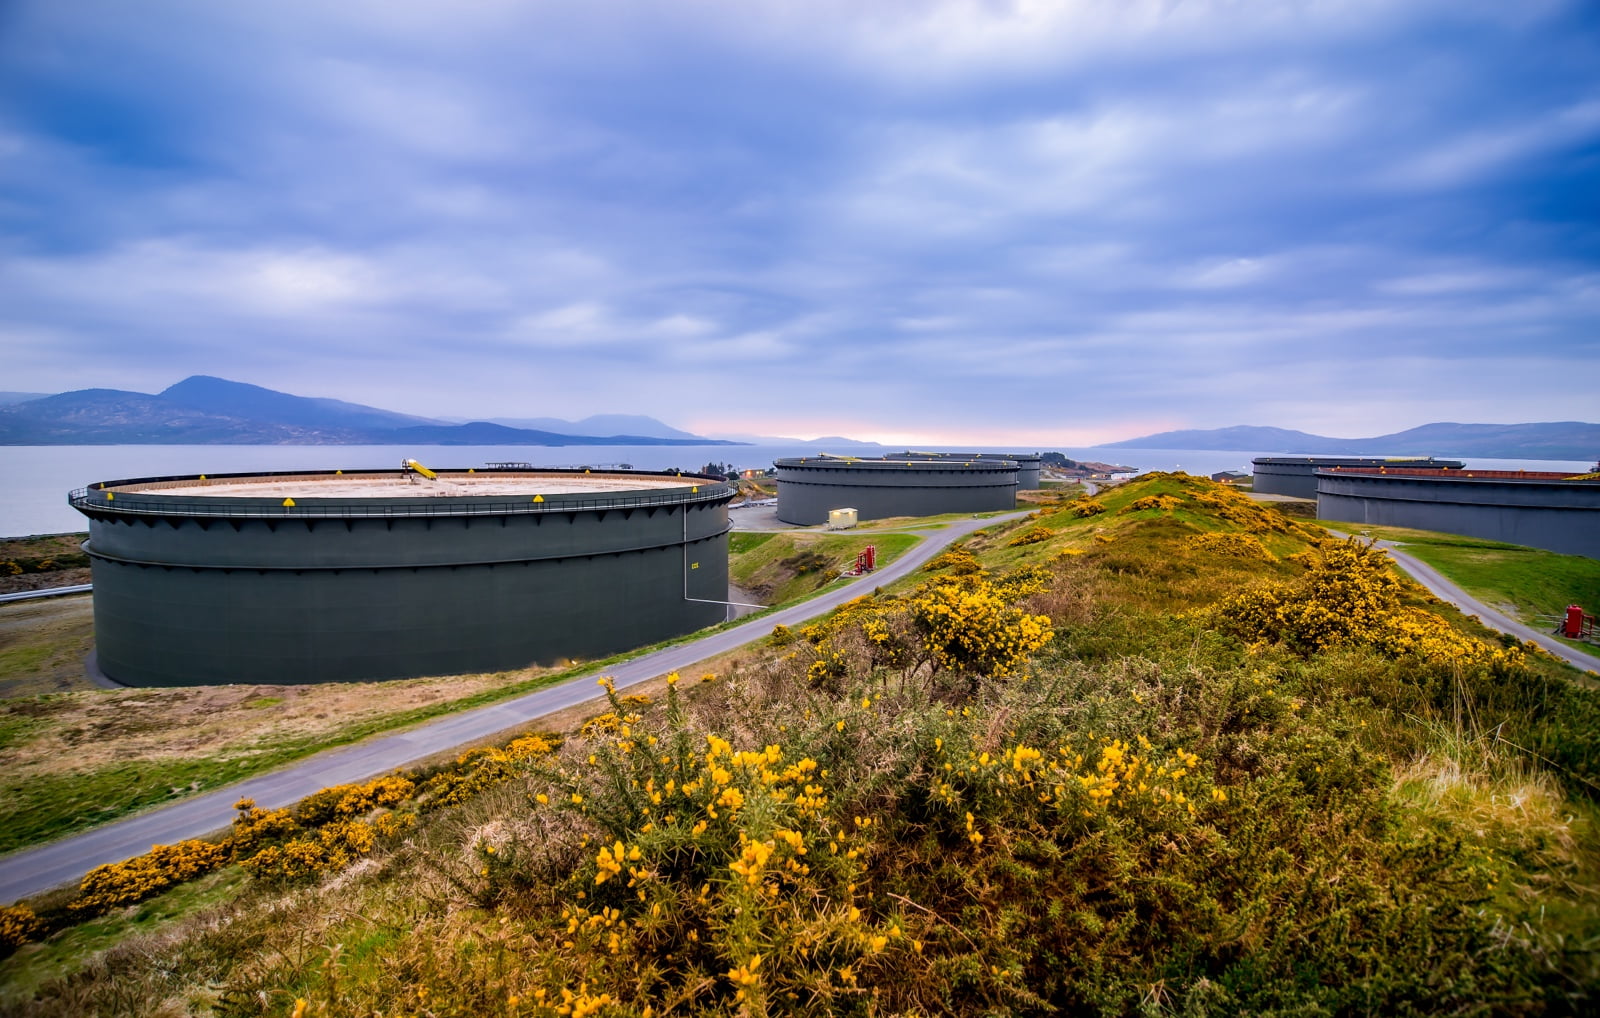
1028	466
1535	509
1296	476
335	576
809	487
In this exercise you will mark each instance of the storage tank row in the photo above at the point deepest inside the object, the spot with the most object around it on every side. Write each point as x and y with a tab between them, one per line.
1535	509
811	486
333	576
1296	476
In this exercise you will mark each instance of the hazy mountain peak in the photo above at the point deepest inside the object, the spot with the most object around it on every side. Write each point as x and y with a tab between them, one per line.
1558	440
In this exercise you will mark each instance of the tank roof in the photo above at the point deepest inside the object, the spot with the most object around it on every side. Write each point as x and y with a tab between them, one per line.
388	484
1545	476
827	460
1361	461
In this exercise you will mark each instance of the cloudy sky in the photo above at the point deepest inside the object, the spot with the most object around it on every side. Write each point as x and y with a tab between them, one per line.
1043	222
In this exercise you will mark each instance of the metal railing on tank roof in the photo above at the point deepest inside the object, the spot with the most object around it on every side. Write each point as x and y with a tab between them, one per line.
311	508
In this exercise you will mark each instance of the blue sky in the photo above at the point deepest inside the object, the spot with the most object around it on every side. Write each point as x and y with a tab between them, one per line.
1047	223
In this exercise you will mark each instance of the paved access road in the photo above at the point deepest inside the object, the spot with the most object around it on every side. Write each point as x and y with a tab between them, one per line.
38	869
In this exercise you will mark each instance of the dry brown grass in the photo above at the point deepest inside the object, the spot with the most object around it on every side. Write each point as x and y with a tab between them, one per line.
90	729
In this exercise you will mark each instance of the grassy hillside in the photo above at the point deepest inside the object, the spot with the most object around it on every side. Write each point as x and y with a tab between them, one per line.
1165	751
778	567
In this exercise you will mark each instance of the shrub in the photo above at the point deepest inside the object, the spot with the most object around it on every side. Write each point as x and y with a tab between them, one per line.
18	925
1086	507
1241	546
1033	536
1349	597
969	628
478	770
1162	503
958	559
124	883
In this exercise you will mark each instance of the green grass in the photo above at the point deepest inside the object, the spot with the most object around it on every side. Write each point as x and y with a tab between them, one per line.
742	541
787	566
15	729
14	660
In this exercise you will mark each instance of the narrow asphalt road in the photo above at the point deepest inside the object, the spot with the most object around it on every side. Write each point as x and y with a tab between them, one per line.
1444	590
39	869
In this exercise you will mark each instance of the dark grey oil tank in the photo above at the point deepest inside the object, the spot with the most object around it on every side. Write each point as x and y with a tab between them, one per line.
809	487
1297	475
1535	509
335	576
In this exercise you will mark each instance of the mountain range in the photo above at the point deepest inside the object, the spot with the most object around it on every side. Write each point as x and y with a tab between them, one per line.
202	410
1556	440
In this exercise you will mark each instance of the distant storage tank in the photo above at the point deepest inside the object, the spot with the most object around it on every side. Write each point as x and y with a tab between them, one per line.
1028	463
810	487
1296	476
333	576
1533	508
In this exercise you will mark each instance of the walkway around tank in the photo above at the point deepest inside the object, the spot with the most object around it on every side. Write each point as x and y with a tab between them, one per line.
1444	590
43	867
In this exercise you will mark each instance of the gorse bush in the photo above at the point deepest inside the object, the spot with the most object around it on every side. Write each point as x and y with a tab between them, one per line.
123	883
1160	503
1034	536
959	560
963	624
1245	546
1349	596
18	925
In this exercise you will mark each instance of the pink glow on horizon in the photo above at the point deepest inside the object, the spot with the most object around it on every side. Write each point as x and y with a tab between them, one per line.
1021	438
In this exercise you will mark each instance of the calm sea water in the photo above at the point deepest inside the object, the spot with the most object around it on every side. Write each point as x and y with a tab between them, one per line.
34	480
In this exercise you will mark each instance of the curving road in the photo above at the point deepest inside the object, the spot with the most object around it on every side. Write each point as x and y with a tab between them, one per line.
39	869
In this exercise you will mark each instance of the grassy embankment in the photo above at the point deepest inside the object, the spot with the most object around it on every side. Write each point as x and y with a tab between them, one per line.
778	567
71	761
1163	754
